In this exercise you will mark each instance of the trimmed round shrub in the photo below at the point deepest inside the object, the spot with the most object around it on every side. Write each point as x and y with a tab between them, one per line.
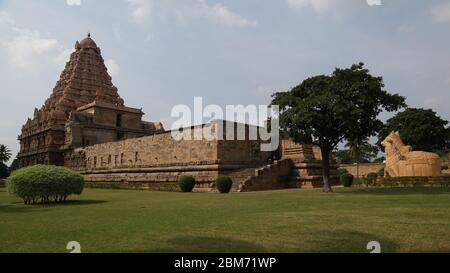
224	184
44	184
187	183
347	180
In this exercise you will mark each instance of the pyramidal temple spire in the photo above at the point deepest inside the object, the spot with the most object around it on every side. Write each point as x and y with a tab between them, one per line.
84	109
84	80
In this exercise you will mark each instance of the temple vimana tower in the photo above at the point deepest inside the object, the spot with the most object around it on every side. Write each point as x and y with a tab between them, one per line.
84	109
85	125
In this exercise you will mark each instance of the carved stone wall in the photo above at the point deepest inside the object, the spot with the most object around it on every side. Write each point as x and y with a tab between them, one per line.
153	160
158	161
150	151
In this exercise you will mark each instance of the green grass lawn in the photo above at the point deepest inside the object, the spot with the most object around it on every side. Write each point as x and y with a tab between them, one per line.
402	220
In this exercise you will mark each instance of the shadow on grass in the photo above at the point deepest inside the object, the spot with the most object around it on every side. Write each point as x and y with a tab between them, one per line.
19	207
193	244
76	203
320	242
345	242
397	191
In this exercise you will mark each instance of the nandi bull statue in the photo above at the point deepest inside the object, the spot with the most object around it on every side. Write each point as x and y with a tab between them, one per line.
401	160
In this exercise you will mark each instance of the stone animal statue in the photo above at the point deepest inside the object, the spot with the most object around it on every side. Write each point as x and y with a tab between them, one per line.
401	160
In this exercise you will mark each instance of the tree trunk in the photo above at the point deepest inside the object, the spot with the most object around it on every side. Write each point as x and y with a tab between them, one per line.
326	170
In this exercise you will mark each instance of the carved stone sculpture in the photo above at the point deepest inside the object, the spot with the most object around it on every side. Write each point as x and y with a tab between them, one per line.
401	160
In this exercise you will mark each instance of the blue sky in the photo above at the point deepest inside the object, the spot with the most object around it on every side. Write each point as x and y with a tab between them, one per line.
164	52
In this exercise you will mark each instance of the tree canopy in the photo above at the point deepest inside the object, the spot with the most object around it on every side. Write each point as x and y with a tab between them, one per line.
326	110
422	129
5	154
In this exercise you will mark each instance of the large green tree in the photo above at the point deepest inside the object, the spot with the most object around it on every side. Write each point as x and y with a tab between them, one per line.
327	110
422	129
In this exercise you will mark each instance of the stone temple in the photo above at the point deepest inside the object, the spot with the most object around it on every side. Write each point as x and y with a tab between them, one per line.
85	125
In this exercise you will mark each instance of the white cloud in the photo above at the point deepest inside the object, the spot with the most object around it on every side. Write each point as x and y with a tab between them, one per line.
5	18
441	13
73	2
141	9
320	6
26	48
324	7
222	14
299	3
113	67
62	58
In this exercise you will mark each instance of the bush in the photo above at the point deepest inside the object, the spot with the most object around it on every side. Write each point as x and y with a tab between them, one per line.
347	180
44	184
417	181
381	172
444	167
187	183
372	176
371	179
342	171
224	184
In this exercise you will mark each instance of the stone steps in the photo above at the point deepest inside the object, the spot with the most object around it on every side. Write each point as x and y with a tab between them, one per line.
302	174
241	176
268	177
